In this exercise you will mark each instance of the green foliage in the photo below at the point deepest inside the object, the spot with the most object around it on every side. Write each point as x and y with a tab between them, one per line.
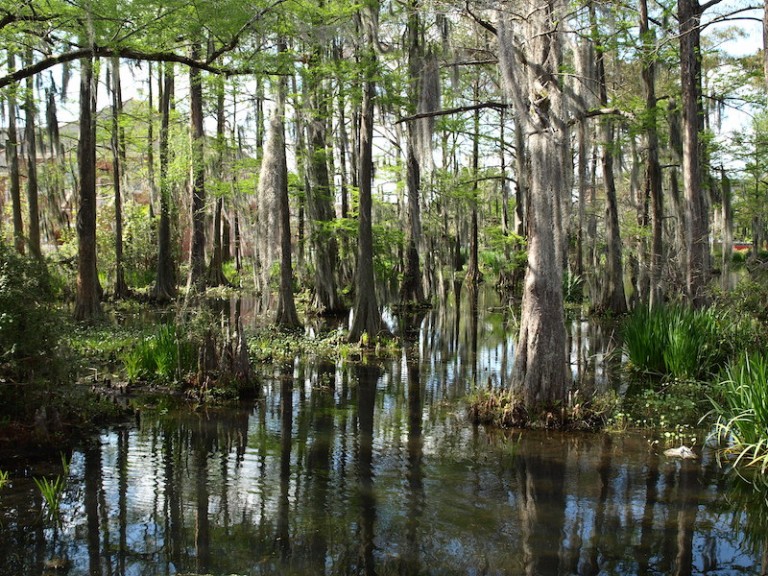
742	410
164	356
674	409
270	345
28	320
140	246
3	478
677	341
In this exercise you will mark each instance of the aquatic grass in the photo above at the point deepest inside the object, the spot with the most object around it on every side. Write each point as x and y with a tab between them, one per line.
645	334
742	411
164	355
3	478
52	492
678	342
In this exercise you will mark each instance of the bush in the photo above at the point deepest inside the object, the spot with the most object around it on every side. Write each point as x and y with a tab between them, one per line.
28	322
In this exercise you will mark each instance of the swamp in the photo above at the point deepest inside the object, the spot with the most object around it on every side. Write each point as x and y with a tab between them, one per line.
407	287
350	467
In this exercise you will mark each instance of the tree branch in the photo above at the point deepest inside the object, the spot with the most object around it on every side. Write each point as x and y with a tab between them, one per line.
487	25
121	52
458	110
229	46
601	112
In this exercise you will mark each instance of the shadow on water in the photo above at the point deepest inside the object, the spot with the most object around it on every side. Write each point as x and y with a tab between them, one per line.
373	469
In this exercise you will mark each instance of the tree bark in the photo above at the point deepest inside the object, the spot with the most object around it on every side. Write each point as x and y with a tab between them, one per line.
87	305
765	42
165	281
286	317
411	289
727	213
540	369
473	266
286	308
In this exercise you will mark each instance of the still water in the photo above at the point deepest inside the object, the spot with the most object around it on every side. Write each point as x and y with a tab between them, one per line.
344	468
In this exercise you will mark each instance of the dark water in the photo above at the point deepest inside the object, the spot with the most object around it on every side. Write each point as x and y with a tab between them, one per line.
373	469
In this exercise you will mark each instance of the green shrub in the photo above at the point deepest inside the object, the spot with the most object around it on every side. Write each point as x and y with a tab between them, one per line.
28	320
742	410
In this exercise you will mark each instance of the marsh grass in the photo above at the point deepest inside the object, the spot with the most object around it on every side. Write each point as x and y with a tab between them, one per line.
164	355
742	411
679	342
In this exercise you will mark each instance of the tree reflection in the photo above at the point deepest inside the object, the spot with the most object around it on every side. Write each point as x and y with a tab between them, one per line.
367	378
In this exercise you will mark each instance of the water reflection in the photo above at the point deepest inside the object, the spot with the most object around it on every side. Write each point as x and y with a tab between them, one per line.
372	469
369	471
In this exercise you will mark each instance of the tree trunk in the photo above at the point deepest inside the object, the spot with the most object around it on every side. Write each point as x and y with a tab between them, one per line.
216	265
320	196
540	369
286	307
697	231
727	229
165	281
151	140
765	42
612	298
411	289
653	181
286	317
366	316
473	266
121	288
87	305
12	146
31	146
196	280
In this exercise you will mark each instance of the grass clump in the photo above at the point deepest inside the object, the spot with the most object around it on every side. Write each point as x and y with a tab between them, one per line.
678	342
742	410
163	356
